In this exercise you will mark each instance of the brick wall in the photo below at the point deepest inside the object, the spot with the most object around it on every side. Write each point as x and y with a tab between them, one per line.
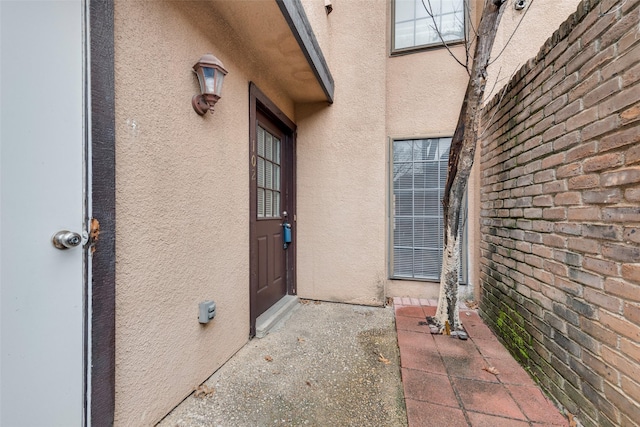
560	220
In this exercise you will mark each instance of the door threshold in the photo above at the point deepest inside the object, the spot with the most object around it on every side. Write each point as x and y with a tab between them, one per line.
278	312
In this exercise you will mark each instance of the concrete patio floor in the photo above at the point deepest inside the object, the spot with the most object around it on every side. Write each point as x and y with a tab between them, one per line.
445	381
344	365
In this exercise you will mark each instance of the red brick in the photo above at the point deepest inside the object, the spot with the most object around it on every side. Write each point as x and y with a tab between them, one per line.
602	266
568	228
631	388
621	177
631	114
596	330
572	169
581	151
605	370
609	195
632	155
604	161
631	272
619	139
554	186
621	253
542	251
600	127
553	160
567	83
544	176
620	325
554	213
569	198
632	194
632	234
555	241
567	140
622	289
545	200
552	268
584	181
630	349
621	214
618	29
621	402
597	231
584	117
631	76
580	90
556	103
632	312
586	278
584	245
618	361
604	90
621	63
601	299
619	101
583	213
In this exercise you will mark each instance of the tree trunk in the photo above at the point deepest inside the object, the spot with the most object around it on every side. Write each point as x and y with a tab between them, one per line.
461	154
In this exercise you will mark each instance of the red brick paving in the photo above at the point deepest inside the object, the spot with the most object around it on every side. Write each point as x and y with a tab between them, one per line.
445	385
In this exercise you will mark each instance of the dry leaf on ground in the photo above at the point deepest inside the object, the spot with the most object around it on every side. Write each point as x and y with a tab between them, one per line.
300	339
309	383
491	370
317	302
383	359
304	301
572	420
268	358
202	391
471	304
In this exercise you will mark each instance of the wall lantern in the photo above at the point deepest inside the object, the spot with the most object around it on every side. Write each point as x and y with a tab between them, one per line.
210	72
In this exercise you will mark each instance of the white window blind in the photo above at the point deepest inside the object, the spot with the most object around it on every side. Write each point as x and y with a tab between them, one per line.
419	176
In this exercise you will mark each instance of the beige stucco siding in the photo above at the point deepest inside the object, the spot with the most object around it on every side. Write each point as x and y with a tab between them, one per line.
342	158
181	202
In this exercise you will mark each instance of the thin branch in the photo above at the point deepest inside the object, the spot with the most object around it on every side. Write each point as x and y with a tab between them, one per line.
429	11
512	34
467	6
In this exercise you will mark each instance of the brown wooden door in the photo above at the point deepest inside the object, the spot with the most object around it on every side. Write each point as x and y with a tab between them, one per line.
270	208
272	205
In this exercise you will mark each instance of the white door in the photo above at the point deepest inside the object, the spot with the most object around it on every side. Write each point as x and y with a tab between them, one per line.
41	182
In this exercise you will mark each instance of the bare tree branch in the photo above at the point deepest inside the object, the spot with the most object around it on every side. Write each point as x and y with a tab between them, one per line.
429	11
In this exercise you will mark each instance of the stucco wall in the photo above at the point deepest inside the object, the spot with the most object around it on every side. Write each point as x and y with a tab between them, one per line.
181	201
341	161
560	214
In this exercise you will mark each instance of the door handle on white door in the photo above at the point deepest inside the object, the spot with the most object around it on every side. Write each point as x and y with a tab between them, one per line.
66	239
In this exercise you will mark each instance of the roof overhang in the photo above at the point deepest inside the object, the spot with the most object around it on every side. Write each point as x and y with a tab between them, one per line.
279	37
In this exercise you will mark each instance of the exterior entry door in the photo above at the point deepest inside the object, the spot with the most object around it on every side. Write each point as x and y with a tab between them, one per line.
41	181
272	210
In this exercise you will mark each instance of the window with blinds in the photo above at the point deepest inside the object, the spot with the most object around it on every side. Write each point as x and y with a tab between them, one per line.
419	176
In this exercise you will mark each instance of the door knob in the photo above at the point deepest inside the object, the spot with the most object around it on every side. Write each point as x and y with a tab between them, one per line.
66	239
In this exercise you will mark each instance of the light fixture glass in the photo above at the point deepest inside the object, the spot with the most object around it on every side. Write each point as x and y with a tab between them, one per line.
210	72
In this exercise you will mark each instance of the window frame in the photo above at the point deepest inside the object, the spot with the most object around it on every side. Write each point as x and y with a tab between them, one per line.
464	270
430	46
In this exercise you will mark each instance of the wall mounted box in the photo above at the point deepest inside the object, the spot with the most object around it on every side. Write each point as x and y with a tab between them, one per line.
206	311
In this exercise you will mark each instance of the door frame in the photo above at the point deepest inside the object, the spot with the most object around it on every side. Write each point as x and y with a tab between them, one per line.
258	101
101	185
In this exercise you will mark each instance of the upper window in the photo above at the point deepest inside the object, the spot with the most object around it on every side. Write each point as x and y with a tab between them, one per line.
418	22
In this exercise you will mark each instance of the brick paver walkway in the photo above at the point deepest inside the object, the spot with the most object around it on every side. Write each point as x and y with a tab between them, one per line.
445	383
